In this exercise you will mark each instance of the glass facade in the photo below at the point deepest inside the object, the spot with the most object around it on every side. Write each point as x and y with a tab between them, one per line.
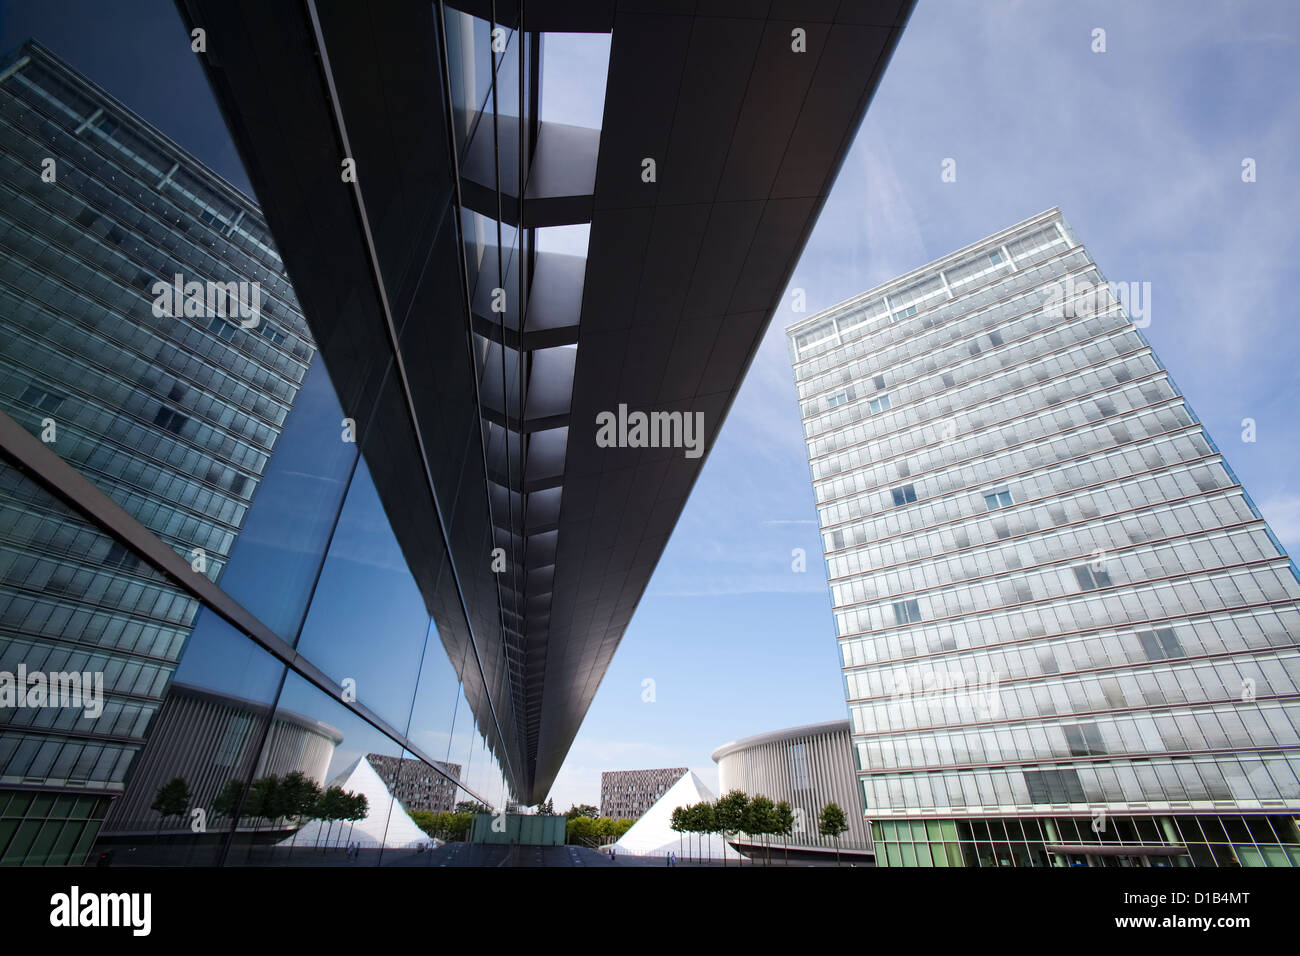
1054	600
151	340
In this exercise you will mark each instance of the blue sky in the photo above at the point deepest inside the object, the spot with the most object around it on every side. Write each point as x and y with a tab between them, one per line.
1140	146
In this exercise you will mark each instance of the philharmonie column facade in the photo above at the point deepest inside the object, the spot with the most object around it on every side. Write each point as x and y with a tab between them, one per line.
1067	634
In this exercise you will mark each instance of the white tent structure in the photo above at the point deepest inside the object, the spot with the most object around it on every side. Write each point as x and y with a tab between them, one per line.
652	834
386	824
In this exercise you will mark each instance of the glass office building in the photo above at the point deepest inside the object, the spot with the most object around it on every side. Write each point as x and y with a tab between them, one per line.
1067	634
182	504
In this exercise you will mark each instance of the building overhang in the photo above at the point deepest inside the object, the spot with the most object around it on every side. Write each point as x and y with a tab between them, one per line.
479	426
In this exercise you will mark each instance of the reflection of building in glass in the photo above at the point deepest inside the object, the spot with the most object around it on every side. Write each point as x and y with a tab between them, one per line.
1067	633
808	767
386	823
626	794
174	418
415	785
207	739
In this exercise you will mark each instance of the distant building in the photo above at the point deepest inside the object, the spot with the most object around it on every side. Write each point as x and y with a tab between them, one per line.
180	746
626	794
807	767
415	785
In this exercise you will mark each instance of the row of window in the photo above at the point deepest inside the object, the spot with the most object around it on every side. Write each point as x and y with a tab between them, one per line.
1013	304
1087	457
1210	551
1188	519
100	282
1245	780
1231	727
981	698
1018	315
1255	627
1026	421
90	327
1051	657
1120	357
1138	504
34	757
862	335
36	115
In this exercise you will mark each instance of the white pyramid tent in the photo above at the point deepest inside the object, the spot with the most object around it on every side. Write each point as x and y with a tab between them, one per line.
652	834
386	824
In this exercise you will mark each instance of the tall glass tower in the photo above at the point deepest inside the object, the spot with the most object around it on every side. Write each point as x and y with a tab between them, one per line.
1067	634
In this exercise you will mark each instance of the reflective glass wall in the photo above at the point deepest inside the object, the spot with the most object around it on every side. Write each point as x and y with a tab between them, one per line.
211	645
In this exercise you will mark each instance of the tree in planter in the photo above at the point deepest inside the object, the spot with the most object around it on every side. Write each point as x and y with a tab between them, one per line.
173	800
730	815
329	809
677	823
785	826
355	807
693	826
706	819
226	802
831	823
264	802
760	821
298	796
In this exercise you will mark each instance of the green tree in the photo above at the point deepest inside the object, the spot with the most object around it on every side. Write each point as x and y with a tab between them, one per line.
582	810
173	799
785	826
472	806
546	808
730	814
677	823
426	820
692	820
263	802
330	808
355	807
226	802
705	820
831	823
760	821
298	796
582	831
458	825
